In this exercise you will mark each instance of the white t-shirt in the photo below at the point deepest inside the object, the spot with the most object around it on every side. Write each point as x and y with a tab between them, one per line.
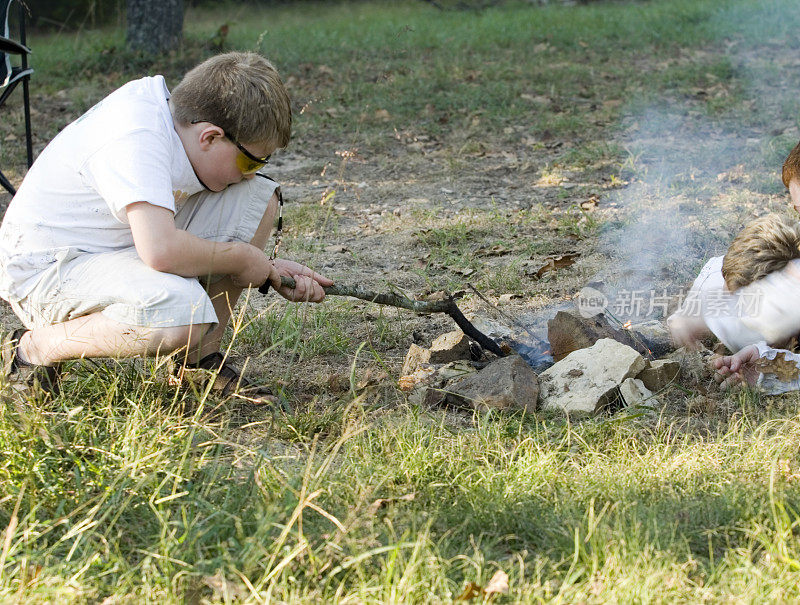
123	150
710	298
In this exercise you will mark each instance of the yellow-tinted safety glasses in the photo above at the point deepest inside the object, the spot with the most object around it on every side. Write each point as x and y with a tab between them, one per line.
246	162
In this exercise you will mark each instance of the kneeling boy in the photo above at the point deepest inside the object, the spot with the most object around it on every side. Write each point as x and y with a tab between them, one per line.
139	225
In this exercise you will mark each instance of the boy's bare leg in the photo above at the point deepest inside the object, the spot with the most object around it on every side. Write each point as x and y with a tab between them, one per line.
224	295
97	336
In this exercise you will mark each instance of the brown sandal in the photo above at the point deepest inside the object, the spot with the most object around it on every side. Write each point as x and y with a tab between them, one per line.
227	380
24	376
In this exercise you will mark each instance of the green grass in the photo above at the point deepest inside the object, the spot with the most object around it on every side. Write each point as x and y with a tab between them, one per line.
125	490
146	502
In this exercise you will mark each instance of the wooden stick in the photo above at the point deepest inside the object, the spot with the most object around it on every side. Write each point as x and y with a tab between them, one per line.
447	305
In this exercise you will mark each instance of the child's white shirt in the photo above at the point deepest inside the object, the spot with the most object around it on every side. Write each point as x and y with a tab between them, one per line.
709	298
730	326
123	150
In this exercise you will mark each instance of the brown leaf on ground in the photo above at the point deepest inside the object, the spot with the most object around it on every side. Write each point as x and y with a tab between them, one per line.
471	590
783	369
223	587
552	263
498	584
784	466
370	378
382	502
497	250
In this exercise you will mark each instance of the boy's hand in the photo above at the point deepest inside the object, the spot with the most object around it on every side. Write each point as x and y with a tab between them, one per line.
253	267
308	284
687	330
736	368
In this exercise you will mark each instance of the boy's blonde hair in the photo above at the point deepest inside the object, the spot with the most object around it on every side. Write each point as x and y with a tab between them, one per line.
765	245
241	93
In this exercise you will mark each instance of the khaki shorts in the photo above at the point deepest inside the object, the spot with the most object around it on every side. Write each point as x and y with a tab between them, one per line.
124	289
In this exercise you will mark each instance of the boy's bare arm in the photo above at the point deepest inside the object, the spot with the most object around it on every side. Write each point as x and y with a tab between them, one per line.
165	248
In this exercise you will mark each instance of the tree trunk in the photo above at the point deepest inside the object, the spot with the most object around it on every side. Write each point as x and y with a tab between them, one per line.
154	26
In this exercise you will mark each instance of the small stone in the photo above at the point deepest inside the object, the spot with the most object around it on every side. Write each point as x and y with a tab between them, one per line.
450	347
506	383
419	376
634	392
415	357
661	373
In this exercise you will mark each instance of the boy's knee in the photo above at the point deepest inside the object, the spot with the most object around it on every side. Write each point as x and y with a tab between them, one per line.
169	340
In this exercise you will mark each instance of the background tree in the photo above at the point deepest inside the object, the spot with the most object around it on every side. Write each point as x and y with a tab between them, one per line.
154	26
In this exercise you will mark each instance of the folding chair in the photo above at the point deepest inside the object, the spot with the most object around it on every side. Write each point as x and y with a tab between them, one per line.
11	76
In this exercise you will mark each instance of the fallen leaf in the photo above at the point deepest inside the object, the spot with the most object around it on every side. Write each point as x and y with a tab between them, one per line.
471	590
498	584
783	369
338	382
784	465
589	204
557	262
497	250
371	378
221	586
542	100
382	502
465	271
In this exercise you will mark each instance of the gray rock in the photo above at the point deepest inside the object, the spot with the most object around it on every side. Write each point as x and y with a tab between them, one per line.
506	383
659	374
427	383
587	380
446	348
634	392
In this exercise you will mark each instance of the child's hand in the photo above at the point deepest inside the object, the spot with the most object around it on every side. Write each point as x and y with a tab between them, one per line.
308	284
736	368
794	192
687	330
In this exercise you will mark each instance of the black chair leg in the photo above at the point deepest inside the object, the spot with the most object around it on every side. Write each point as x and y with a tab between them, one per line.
7	184
28	135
